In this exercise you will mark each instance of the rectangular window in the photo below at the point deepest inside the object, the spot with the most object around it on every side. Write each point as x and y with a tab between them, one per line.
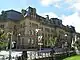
28	41
32	41
22	41
30	32
45	35
2	26
48	35
46	29
21	25
29	24
41	28
52	30
51	35
34	25
15	27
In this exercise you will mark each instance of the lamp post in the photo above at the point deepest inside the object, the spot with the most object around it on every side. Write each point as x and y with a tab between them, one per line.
65	37
18	40
10	42
66	44
66	40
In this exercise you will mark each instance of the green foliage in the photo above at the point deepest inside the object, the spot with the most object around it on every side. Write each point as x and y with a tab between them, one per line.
52	42
4	15
3	37
23	12
3	44
77	44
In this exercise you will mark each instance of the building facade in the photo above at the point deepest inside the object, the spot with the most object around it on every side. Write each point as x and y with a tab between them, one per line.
24	27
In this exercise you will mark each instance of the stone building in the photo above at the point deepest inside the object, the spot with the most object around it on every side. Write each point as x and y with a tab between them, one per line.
24	25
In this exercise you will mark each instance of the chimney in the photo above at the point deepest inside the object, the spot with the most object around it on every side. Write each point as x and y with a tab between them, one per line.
47	17
32	12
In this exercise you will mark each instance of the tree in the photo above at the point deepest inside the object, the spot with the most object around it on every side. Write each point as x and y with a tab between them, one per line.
77	44
52	41
23	12
3	38
4	15
3	45
3	35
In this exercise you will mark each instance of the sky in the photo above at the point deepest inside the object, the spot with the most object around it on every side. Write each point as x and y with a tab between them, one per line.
67	10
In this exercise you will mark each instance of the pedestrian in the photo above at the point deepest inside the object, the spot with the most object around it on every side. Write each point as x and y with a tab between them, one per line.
19	58
52	53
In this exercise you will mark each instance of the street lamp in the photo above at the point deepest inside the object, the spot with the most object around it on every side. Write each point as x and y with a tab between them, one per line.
18	40
19	34
66	39
65	35
10	42
66	44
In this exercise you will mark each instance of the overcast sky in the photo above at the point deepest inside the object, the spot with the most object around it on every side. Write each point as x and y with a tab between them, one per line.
67	10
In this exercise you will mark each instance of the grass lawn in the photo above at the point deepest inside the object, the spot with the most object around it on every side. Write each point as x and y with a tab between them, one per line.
77	57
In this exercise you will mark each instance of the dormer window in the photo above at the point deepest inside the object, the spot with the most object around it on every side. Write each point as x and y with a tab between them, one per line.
15	27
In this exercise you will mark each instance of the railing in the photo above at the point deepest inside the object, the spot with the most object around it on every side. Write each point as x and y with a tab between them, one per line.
43	54
38	55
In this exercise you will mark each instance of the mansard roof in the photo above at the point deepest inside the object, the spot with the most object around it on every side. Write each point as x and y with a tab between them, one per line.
13	15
